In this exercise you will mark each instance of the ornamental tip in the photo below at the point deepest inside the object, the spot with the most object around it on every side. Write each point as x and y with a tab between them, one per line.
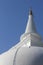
30	12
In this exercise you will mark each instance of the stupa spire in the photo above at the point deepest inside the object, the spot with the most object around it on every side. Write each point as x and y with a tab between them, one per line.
30	28
30	32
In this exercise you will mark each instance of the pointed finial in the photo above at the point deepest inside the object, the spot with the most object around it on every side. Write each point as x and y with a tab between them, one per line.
30	12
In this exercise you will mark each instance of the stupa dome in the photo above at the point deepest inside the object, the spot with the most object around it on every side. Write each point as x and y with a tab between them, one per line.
30	51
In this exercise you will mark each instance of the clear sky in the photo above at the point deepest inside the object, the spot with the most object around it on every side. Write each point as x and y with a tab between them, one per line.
13	20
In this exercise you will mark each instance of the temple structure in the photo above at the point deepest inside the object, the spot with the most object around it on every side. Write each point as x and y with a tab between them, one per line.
29	51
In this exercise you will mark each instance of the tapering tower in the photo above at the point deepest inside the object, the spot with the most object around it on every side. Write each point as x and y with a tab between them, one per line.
30	49
31	34
30	28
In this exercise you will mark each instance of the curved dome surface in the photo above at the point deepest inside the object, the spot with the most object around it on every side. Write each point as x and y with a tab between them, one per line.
29	56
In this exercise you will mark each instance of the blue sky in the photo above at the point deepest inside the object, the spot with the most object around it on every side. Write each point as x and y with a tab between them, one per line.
13	20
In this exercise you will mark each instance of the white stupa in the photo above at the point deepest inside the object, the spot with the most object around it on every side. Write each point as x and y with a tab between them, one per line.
29	51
